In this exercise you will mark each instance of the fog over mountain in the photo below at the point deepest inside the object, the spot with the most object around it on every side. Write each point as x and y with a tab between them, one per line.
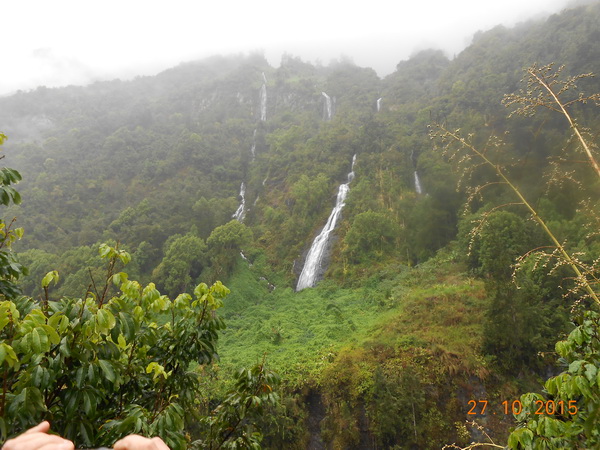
70	42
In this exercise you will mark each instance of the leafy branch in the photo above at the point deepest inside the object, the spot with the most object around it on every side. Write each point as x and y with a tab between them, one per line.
463	151
544	89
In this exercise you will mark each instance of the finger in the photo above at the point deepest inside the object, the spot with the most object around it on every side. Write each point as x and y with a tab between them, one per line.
160	445
125	443
42	427
64	445
36	441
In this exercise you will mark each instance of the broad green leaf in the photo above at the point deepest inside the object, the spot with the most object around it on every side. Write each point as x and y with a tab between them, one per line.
577	336
52	335
575	366
124	257
108	370
87	402
562	348
8	354
104	251
105	319
19	232
590	372
79	377
36	341
50	277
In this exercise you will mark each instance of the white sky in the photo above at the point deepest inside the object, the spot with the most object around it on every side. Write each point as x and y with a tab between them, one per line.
59	42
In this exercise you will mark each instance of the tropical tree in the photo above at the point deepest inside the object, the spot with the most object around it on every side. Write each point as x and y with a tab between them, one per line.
568	415
106	365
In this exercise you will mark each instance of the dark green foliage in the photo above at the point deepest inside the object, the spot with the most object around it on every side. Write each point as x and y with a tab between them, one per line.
495	243
232	424
225	244
156	163
397	406
575	424
371	235
185	256
115	361
521	324
11	270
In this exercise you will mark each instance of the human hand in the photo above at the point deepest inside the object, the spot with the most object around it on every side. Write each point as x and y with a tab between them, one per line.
136	442
37	438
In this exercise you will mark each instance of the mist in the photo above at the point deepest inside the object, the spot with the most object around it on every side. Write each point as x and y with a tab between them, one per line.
70	42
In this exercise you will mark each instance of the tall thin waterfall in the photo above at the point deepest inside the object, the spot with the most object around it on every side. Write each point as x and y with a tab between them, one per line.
378	104
312	266
263	99
418	188
241	211
253	148
328	109
413	158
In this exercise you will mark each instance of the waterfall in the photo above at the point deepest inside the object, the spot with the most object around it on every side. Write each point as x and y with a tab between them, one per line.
240	212
263	100
245	258
253	148
413	158
378	104
314	258
328	109
418	188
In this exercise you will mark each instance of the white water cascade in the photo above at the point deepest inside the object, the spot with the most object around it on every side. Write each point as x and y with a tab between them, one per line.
263	99
240	213
314	258
328	109
253	148
378	104
418	188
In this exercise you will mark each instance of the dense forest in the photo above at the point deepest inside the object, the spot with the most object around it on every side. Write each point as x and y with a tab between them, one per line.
440	291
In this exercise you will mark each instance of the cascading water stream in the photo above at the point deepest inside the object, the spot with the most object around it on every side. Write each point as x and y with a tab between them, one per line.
253	148
312	266
328	109
263	100
240	213
418	188
379	104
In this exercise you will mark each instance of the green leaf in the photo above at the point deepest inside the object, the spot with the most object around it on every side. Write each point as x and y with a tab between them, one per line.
91	373
521	436
108	370
124	257
105	319
575	366
36	341
19	232
50	277
8	355
79	377
583	385
87	402
52	335
577	336
590	372
105	251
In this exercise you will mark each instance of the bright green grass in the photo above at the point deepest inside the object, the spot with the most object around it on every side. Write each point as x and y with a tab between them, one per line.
300	332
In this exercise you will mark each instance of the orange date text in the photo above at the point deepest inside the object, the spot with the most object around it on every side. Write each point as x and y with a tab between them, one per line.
541	407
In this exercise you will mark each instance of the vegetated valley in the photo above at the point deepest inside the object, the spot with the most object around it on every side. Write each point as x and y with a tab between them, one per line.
227	169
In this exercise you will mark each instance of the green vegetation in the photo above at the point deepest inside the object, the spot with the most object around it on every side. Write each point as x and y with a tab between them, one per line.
429	300
128	361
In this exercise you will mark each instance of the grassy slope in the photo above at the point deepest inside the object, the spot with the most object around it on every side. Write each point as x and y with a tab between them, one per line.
333	340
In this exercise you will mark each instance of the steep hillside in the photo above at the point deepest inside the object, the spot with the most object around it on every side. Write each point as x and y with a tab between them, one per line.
417	315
